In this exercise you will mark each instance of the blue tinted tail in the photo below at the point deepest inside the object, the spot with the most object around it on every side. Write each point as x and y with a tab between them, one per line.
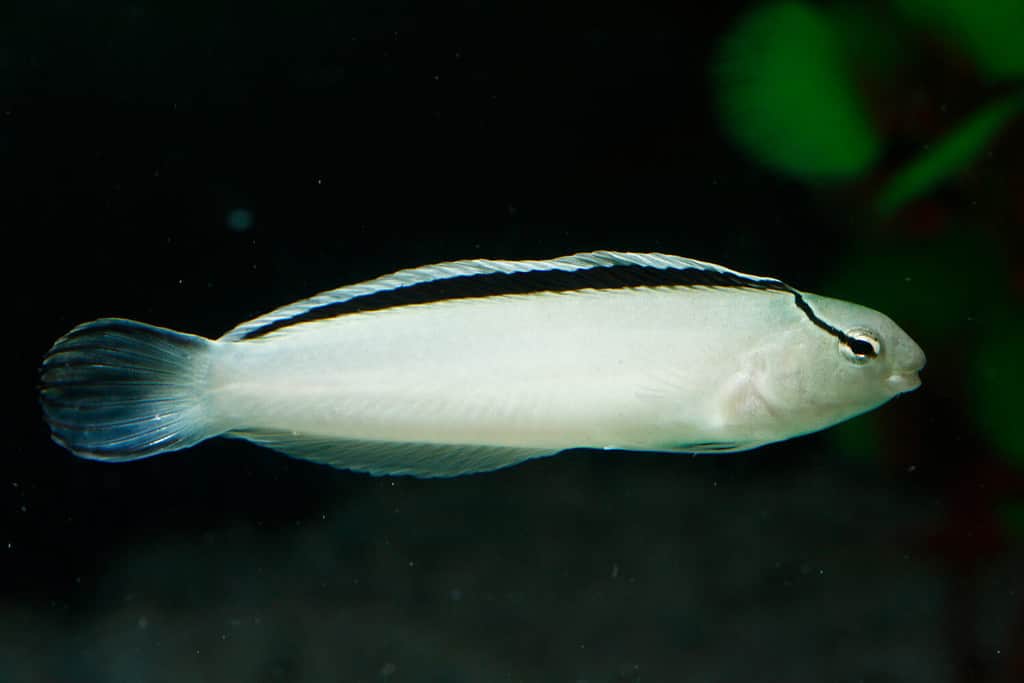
121	390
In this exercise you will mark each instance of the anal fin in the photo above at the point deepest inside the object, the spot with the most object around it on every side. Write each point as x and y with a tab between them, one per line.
391	458
715	446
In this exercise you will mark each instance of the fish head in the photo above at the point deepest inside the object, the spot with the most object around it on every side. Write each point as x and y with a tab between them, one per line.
865	360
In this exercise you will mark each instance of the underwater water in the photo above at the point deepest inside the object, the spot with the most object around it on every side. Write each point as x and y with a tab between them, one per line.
195	165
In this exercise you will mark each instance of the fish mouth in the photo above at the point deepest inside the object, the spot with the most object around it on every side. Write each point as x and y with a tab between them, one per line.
902	382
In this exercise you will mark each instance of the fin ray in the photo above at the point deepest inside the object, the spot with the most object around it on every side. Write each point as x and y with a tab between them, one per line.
595	269
379	458
714	447
122	390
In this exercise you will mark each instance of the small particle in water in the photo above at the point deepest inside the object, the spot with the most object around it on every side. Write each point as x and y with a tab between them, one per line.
239	220
142	623
615	570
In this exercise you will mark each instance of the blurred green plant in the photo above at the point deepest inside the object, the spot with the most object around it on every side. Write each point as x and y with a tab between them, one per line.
787	76
990	31
954	152
786	95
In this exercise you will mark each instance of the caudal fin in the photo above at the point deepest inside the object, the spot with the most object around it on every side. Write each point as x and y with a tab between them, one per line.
120	390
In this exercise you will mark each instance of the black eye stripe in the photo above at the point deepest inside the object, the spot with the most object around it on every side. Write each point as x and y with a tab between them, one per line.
526	282
861	347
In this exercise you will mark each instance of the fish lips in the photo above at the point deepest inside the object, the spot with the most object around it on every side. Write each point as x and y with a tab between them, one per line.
902	382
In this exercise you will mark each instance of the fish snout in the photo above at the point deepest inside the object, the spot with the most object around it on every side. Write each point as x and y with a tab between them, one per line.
910	361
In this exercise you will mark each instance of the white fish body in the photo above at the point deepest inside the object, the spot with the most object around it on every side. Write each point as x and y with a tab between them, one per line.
474	365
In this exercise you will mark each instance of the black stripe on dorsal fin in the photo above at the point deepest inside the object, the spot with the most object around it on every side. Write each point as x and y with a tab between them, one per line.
484	278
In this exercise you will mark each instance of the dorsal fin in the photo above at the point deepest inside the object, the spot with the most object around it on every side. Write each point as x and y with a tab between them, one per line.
485	277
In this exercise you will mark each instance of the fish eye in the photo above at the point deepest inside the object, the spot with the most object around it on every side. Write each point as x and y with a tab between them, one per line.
860	346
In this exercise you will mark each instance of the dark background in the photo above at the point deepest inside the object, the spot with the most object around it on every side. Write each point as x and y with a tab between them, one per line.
195	164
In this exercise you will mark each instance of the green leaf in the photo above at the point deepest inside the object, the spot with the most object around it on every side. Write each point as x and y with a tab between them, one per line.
949	155
785	94
991	31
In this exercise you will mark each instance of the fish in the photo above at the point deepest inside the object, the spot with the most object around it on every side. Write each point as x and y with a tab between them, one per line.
475	365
